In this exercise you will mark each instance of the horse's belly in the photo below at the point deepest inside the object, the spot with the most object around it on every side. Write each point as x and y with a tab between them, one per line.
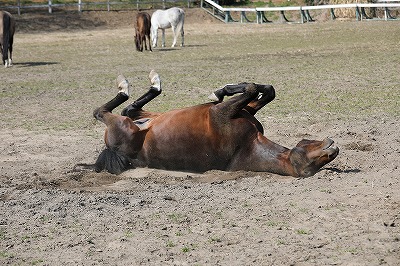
181	150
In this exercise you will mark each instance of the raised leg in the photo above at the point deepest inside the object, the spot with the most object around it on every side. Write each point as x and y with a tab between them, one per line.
122	137
230	108
227	90
122	96
153	92
266	95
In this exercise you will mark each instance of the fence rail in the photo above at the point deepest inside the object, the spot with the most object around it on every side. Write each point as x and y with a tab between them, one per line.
225	14
81	4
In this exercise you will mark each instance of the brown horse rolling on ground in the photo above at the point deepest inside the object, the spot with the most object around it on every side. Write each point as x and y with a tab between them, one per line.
7	29
142	29
222	135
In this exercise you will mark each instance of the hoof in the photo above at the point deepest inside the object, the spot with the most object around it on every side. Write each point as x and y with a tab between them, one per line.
213	97
155	79
217	96
123	84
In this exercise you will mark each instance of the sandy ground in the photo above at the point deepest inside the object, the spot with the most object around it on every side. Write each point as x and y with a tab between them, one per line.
347	214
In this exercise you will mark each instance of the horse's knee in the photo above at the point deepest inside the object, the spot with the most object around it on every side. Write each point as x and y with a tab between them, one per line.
251	88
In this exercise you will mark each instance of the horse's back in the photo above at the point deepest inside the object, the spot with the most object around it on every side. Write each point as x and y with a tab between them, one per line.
167	18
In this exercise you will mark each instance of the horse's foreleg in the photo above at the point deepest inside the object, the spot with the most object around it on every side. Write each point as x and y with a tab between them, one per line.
122	96
153	92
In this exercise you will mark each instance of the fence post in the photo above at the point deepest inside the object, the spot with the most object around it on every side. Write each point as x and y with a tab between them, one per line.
108	5
333	17
19	7
79	5
50	9
358	14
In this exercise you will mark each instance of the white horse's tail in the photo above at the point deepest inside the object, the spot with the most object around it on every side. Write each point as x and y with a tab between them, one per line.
181	22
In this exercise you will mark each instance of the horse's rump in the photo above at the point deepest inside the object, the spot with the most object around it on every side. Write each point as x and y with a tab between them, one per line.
142	29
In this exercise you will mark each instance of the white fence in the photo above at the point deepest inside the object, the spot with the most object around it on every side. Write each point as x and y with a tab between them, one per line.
225	14
81	4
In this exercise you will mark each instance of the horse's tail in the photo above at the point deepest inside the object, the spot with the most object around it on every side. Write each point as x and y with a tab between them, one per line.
181	21
112	161
6	35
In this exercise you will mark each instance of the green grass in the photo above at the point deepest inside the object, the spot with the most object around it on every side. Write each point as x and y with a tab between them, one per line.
323	70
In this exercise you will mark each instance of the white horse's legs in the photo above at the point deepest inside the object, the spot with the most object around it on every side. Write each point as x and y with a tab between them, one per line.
163	37
154	36
174	34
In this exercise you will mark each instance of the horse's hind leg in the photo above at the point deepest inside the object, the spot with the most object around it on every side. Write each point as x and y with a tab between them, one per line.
144	41
174	33
153	92
163	38
230	108
227	90
148	39
266	96
179	29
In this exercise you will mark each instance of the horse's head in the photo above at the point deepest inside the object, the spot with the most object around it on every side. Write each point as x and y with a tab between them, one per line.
310	155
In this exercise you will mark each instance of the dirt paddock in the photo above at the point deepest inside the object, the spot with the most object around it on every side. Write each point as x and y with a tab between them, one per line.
333	79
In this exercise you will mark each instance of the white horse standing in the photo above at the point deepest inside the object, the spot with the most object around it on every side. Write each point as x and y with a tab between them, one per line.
163	19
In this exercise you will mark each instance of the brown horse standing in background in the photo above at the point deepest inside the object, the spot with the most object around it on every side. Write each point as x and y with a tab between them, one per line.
142	28
7	29
222	135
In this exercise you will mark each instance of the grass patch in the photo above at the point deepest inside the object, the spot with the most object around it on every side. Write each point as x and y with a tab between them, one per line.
323	70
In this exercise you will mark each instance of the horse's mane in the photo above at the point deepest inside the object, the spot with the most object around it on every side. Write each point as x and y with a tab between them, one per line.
112	161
